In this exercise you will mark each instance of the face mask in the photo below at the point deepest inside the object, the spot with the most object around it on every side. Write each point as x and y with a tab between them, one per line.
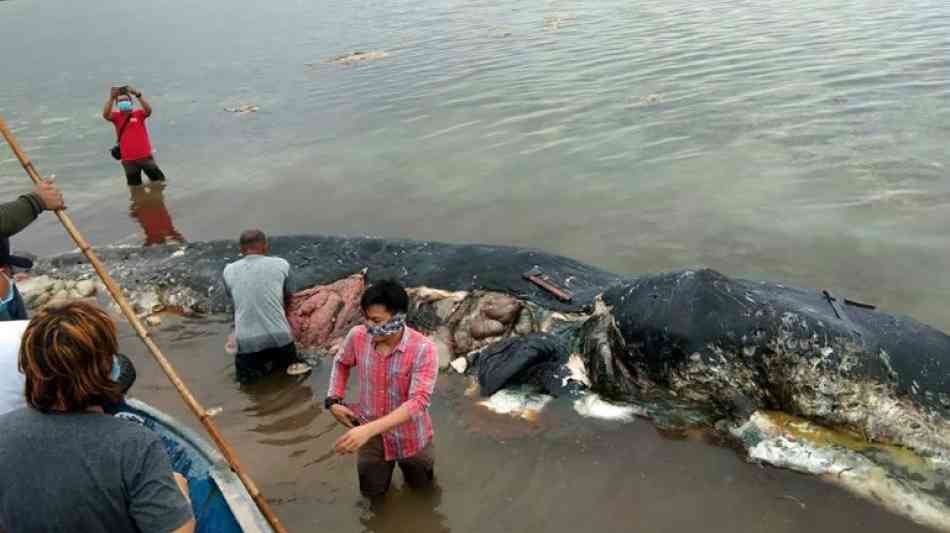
116	369
125	106
394	325
7	299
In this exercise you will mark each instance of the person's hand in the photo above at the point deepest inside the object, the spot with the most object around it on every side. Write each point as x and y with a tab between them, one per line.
114	92
353	440
343	414
135	92
49	195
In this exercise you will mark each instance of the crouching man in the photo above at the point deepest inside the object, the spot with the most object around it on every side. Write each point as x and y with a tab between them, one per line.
396	367
260	288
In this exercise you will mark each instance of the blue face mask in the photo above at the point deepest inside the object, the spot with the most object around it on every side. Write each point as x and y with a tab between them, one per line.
116	369
125	106
7	299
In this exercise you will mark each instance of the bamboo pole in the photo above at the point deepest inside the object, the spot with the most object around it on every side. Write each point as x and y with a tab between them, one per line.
143	334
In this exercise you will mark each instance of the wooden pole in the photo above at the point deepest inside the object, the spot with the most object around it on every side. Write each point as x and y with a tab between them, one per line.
143	334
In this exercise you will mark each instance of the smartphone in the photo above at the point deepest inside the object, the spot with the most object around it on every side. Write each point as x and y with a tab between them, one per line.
123	90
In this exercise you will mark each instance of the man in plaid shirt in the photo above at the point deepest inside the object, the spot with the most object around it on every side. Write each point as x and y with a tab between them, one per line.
396	369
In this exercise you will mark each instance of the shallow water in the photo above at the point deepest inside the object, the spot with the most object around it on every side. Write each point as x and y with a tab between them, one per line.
558	473
803	142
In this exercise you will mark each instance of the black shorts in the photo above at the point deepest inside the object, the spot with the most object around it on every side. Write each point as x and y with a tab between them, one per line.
133	170
249	367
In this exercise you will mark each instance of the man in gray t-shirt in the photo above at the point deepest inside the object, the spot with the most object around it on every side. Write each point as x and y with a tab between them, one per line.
260	288
85	471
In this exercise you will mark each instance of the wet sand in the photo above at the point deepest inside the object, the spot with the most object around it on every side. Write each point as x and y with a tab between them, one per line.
559	473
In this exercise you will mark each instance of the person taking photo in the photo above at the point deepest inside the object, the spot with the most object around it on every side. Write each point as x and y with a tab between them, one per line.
135	148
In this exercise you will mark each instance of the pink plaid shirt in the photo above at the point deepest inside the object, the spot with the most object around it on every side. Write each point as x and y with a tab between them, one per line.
404	377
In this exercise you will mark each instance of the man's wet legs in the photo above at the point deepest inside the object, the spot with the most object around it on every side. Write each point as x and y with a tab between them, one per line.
376	473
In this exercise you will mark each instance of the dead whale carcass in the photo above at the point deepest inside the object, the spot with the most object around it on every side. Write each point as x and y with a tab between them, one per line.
722	350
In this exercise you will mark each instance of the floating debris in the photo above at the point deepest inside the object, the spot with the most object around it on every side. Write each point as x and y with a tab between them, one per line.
648	99
592	405
521	403
460	365
553	22
298	369
794	499
356	57
246	108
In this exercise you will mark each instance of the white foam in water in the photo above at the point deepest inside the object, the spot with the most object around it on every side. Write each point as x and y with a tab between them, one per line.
521	403
55	120
593	406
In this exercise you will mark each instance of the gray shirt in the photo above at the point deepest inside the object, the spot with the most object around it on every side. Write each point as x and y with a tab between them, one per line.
87	472
258	286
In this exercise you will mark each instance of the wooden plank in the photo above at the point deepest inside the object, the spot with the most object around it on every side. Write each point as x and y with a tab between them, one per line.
556	291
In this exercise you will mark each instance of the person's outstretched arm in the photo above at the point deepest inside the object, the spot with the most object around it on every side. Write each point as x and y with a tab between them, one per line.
145	107
107	109
18	214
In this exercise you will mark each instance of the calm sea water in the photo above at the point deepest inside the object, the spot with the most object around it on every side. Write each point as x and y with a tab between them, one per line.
803	142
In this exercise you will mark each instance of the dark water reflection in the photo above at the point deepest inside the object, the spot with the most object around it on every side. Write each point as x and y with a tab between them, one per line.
802	142
147	207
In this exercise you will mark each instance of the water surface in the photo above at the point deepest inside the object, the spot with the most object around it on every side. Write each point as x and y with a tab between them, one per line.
797	141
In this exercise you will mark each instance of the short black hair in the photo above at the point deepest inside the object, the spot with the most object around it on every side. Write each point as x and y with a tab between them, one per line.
251	236
387	293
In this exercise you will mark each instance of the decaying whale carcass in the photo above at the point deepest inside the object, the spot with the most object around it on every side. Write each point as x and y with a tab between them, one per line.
743	346
756	361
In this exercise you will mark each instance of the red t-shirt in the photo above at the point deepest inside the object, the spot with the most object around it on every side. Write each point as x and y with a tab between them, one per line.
134	143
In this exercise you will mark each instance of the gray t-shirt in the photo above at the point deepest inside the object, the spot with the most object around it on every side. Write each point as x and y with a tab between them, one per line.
258	285
87	472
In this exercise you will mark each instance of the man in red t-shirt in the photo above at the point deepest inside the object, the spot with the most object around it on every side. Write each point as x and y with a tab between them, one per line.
134	144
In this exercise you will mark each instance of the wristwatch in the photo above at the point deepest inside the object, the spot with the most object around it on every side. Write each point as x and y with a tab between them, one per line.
331	401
